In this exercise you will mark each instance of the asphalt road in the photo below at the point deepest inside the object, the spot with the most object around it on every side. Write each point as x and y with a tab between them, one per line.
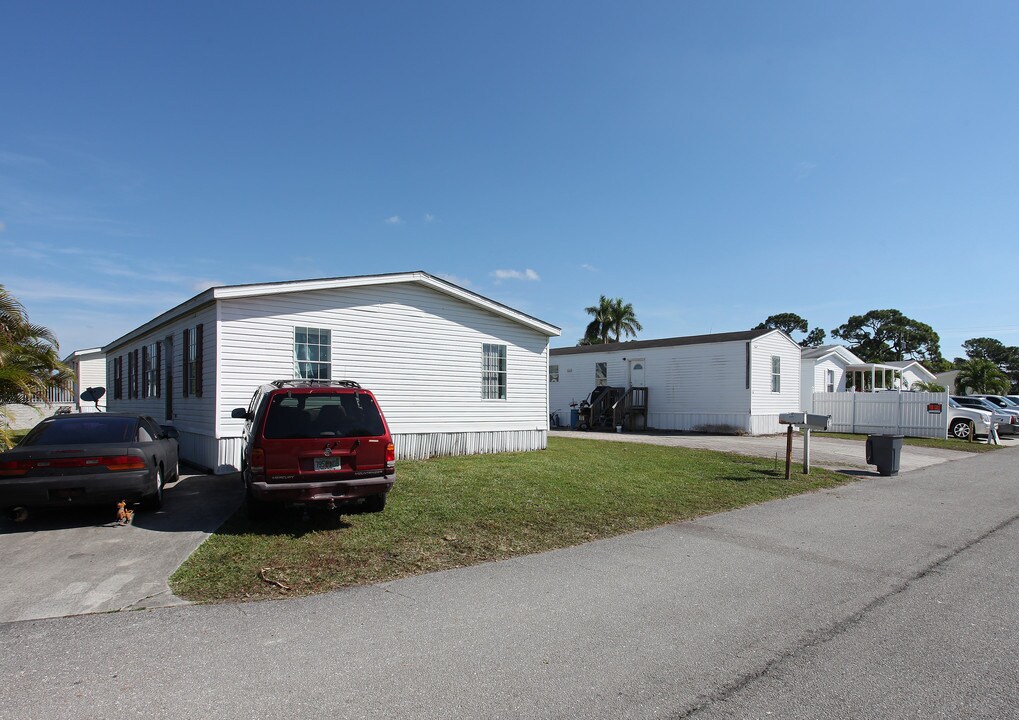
889	597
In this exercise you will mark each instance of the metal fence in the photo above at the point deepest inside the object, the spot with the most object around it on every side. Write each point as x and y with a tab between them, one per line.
914	414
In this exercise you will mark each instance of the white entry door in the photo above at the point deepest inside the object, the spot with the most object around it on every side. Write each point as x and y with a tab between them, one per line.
637	373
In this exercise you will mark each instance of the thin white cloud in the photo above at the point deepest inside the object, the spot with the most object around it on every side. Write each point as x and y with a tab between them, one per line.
527	274
804	169
12	159
3	226
456	280
203	285
429	218
50	291
394	220
589	268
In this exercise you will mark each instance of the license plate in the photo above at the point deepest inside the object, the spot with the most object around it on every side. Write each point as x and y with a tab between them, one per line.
329	463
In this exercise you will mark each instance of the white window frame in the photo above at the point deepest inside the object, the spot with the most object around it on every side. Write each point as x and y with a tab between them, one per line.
829	380
317	363
602	379
494	372
150	373
776	374
553	373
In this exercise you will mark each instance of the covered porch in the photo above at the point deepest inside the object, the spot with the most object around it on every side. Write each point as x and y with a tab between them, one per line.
870	377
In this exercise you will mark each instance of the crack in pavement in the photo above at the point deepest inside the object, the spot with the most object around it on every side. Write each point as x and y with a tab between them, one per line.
819	637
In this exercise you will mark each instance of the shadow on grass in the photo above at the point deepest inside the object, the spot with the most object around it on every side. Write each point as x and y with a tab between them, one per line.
758	474
292	522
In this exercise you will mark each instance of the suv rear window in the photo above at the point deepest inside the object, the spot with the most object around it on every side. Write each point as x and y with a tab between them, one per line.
314	415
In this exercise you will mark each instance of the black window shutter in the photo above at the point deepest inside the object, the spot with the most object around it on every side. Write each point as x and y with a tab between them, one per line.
145	371
185	385
137	367
199	352
159	369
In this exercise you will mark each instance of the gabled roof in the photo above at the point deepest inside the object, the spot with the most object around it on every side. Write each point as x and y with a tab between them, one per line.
903	364
743	335
79	353
229	292
822	351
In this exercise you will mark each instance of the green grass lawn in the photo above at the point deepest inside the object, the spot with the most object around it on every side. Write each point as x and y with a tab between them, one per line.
451	512
943	443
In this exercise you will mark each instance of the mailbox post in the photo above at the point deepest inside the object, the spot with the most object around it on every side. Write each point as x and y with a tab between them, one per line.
806	422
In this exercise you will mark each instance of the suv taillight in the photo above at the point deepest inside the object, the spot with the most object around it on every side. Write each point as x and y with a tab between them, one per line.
257	461
390	454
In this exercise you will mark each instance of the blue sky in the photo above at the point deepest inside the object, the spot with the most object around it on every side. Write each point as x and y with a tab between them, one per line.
711	163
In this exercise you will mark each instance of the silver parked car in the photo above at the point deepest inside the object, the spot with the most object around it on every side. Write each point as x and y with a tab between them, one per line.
1006	418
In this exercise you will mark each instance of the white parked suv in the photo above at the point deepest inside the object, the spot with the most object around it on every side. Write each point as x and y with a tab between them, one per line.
959	421
1007	419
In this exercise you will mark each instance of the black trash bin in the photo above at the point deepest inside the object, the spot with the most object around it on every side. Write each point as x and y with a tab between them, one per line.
884	451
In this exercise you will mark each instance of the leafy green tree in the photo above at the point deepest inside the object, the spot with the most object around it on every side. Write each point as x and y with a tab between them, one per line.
982	376
886	335
814	338
1006	357
790	323
922	386
613	319
29	363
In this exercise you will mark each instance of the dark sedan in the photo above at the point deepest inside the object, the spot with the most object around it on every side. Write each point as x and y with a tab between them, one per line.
90	459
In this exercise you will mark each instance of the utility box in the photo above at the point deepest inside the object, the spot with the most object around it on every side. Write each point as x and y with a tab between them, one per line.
885	452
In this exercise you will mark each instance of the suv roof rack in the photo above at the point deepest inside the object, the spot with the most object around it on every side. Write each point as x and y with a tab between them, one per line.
305	382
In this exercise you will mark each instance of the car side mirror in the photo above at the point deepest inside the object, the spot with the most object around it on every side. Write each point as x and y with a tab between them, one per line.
170	431
240	414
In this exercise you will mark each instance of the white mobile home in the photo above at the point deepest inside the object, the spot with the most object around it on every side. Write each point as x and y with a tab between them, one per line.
744	380
824	369
89	368
454	372
911	371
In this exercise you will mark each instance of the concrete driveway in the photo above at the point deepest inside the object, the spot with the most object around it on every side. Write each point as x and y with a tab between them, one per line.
78	560
833	453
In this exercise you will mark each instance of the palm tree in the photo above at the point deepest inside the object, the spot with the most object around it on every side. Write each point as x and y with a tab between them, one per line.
982	376
597	331
622	320
612	320
29	364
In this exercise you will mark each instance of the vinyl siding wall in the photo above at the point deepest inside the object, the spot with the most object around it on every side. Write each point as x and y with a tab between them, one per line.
688	385
194	417
90	372
766	405
418	350
812	374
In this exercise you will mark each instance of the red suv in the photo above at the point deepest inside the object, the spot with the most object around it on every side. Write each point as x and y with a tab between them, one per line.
315	442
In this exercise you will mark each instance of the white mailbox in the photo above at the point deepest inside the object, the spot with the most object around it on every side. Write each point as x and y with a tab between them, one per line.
806	420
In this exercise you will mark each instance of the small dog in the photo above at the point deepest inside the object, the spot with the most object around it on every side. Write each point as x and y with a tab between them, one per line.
124	513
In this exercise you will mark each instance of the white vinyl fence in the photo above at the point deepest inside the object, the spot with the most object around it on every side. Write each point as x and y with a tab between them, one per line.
900	413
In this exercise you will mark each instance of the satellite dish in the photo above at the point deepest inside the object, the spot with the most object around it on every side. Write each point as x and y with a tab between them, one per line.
93	395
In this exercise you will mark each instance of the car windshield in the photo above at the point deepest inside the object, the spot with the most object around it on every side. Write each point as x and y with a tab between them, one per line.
95	428
996	400
980	402
317	415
